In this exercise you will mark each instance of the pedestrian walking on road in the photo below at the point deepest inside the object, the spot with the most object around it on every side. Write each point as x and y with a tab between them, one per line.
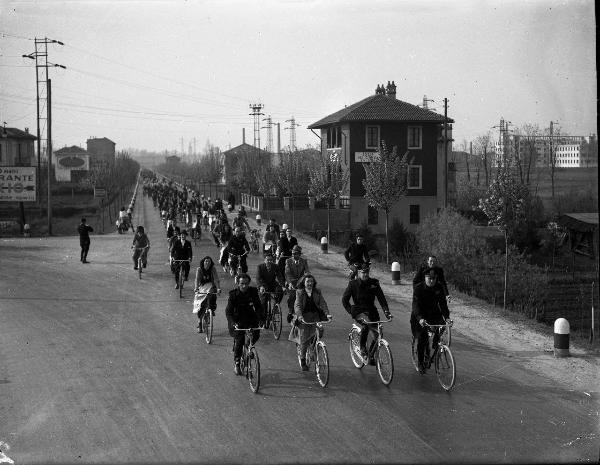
84	239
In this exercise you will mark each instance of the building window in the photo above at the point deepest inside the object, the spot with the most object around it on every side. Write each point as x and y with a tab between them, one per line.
372	137
372	215
415	177
334	137
414	137
415	214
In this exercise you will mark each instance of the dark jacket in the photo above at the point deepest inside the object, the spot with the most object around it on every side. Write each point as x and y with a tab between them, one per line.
420	277
267	278
84	231
363	294
238	245
181	251
244	309
357	253
429	303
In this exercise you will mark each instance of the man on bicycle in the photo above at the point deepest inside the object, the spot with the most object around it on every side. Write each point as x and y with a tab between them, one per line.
244	310
140	245
430	263
356	255
269	279
363	292
238	245
295	268
241	222
428	307
181	250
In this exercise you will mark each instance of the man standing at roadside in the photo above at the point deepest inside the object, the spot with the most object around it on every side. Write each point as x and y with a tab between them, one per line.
84	239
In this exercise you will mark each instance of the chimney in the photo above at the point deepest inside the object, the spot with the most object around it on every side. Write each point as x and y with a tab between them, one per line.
390	90
243	135
26	130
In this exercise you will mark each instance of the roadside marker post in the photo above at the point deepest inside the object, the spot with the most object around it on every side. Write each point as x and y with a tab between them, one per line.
561	338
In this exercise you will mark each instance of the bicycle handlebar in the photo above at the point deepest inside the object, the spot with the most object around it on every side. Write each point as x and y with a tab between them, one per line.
313	323
245	329
374	322
447	324
188	260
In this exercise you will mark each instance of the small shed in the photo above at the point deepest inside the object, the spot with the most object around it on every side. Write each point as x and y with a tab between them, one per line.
583	232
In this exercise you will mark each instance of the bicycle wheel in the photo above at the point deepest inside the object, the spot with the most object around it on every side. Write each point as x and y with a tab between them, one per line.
354	344
385	362
448	335
445	367
140	267
415	358
253	369
322	364
181	282
207	323
276	322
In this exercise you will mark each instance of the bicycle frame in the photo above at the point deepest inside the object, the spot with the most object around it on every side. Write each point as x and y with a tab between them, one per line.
235	271
316	347
139	260
378	343
249	361
440	355
270	315
181	277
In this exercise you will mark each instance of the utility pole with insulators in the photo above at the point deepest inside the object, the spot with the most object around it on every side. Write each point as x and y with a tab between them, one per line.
269	128
256	113
292	129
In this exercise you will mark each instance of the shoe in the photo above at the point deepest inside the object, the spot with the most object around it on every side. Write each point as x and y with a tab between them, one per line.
85	261
135	267
186	278
422	369
365	356
304	366
237	369
200	330
176	286
290	316
144	265
372	361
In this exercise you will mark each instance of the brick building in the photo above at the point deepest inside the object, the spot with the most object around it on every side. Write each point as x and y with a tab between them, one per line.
16	147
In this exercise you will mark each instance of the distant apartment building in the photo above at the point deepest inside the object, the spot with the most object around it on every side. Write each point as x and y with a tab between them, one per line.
101	152
16	147
569	151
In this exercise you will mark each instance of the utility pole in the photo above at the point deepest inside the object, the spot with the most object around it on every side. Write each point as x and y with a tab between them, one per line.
256	113
49	157
292	128
552	155
43	93
426	102
445	152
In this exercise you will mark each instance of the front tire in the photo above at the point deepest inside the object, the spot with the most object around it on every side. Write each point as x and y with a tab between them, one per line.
276	322
385	363
415	358
354	345
445	367
322	364
253	370
207	322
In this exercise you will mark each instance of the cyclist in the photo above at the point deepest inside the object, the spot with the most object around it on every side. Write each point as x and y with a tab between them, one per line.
274	226
269	279
242	211
295	268
240	221
292	241
197	226
284	251
123	220
430	263
243	310
140	245
269	240
207	280
428	307
356	254
181	250
363	292
238	245
310	306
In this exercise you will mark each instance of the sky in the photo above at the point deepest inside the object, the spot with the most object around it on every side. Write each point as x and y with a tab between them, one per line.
159	74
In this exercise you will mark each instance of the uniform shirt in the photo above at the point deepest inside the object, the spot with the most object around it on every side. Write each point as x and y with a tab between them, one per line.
363	293
420	276
244	309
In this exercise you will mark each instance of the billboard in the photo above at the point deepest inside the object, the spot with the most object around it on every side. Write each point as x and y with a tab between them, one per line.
17	183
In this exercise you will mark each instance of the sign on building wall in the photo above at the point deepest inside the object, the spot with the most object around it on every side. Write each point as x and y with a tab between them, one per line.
365	157
17	183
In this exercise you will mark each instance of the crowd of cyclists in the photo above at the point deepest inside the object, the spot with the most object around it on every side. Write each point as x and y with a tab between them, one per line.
283	272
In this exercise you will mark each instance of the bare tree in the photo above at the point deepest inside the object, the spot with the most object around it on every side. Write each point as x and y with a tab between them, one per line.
483	145
529	136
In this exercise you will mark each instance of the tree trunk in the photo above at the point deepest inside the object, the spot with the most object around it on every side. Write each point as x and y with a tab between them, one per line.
328	223
387	239
505	268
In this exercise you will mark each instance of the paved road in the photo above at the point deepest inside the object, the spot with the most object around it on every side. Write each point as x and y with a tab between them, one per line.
98	366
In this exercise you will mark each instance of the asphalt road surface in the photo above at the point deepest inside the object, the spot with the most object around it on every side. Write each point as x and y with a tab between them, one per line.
99	366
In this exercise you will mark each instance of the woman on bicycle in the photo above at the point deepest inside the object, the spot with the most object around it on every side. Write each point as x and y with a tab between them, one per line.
310	306
208	285
140	245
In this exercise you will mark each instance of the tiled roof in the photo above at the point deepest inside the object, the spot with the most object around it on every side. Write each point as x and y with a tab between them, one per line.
243	149
72	149
15	133
380	108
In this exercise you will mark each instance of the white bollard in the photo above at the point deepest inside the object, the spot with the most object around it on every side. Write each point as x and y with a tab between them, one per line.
561	338
395	273
324	244
258	220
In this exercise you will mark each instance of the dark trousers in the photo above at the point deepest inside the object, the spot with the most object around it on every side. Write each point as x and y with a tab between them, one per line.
178	267
238	342
422	336
85	247
264	298
234	262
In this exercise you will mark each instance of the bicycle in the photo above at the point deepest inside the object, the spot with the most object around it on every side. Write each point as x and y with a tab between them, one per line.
378	350
254	240
273	318
178	263
249	362
196	234
140	257
208	314
234	263
317	352
442	357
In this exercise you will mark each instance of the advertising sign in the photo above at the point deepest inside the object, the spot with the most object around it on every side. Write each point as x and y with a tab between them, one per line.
17	183
365	157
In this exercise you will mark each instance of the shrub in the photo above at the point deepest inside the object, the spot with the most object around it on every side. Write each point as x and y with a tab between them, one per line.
403	243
